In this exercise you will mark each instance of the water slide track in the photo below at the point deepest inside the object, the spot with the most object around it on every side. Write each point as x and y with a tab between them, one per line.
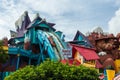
42	37
58	44
57	48
54	48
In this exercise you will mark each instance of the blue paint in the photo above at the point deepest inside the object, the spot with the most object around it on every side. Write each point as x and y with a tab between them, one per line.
37	31
18	61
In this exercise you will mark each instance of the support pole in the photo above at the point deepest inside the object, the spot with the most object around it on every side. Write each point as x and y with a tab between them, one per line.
18	60
29	61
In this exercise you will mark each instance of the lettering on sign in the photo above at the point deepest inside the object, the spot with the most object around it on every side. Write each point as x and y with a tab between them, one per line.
67	53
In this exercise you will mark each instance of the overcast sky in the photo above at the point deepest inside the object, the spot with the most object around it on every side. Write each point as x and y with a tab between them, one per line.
68	15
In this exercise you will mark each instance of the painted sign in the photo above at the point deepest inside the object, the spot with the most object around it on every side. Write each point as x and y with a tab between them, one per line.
67	53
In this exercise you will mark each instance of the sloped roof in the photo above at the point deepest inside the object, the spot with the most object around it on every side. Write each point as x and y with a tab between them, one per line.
38	20
51	24
80	37
22	23
105	38
13	33
77	42
87	53
35	21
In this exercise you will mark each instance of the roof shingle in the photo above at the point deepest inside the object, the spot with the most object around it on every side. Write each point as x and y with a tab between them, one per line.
87	53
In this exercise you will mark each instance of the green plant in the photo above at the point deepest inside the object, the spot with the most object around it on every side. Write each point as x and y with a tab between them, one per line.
49	70
3	55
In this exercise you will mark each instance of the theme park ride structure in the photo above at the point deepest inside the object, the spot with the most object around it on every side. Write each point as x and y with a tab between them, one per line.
33	42
39	41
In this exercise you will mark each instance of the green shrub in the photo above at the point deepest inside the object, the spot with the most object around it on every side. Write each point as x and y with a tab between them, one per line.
3	54
49	70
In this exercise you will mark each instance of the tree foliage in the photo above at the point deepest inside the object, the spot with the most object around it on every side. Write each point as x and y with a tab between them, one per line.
3	54
49	70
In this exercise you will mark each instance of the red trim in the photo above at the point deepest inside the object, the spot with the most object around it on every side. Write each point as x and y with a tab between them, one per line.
98	64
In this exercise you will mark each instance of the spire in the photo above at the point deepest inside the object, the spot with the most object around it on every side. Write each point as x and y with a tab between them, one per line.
39	22
22	23
37	17
44	19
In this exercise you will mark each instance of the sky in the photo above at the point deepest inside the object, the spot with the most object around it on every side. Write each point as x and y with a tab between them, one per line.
68	15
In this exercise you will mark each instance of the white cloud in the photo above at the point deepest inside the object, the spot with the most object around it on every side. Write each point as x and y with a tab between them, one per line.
69	15
114	23
68	29
4	33
2	22
117	2
54	9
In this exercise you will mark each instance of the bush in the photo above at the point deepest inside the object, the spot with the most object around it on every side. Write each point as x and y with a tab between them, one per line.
3	58
3	54
49	70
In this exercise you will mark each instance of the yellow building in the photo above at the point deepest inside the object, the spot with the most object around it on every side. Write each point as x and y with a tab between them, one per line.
110	74
85	56
117	65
